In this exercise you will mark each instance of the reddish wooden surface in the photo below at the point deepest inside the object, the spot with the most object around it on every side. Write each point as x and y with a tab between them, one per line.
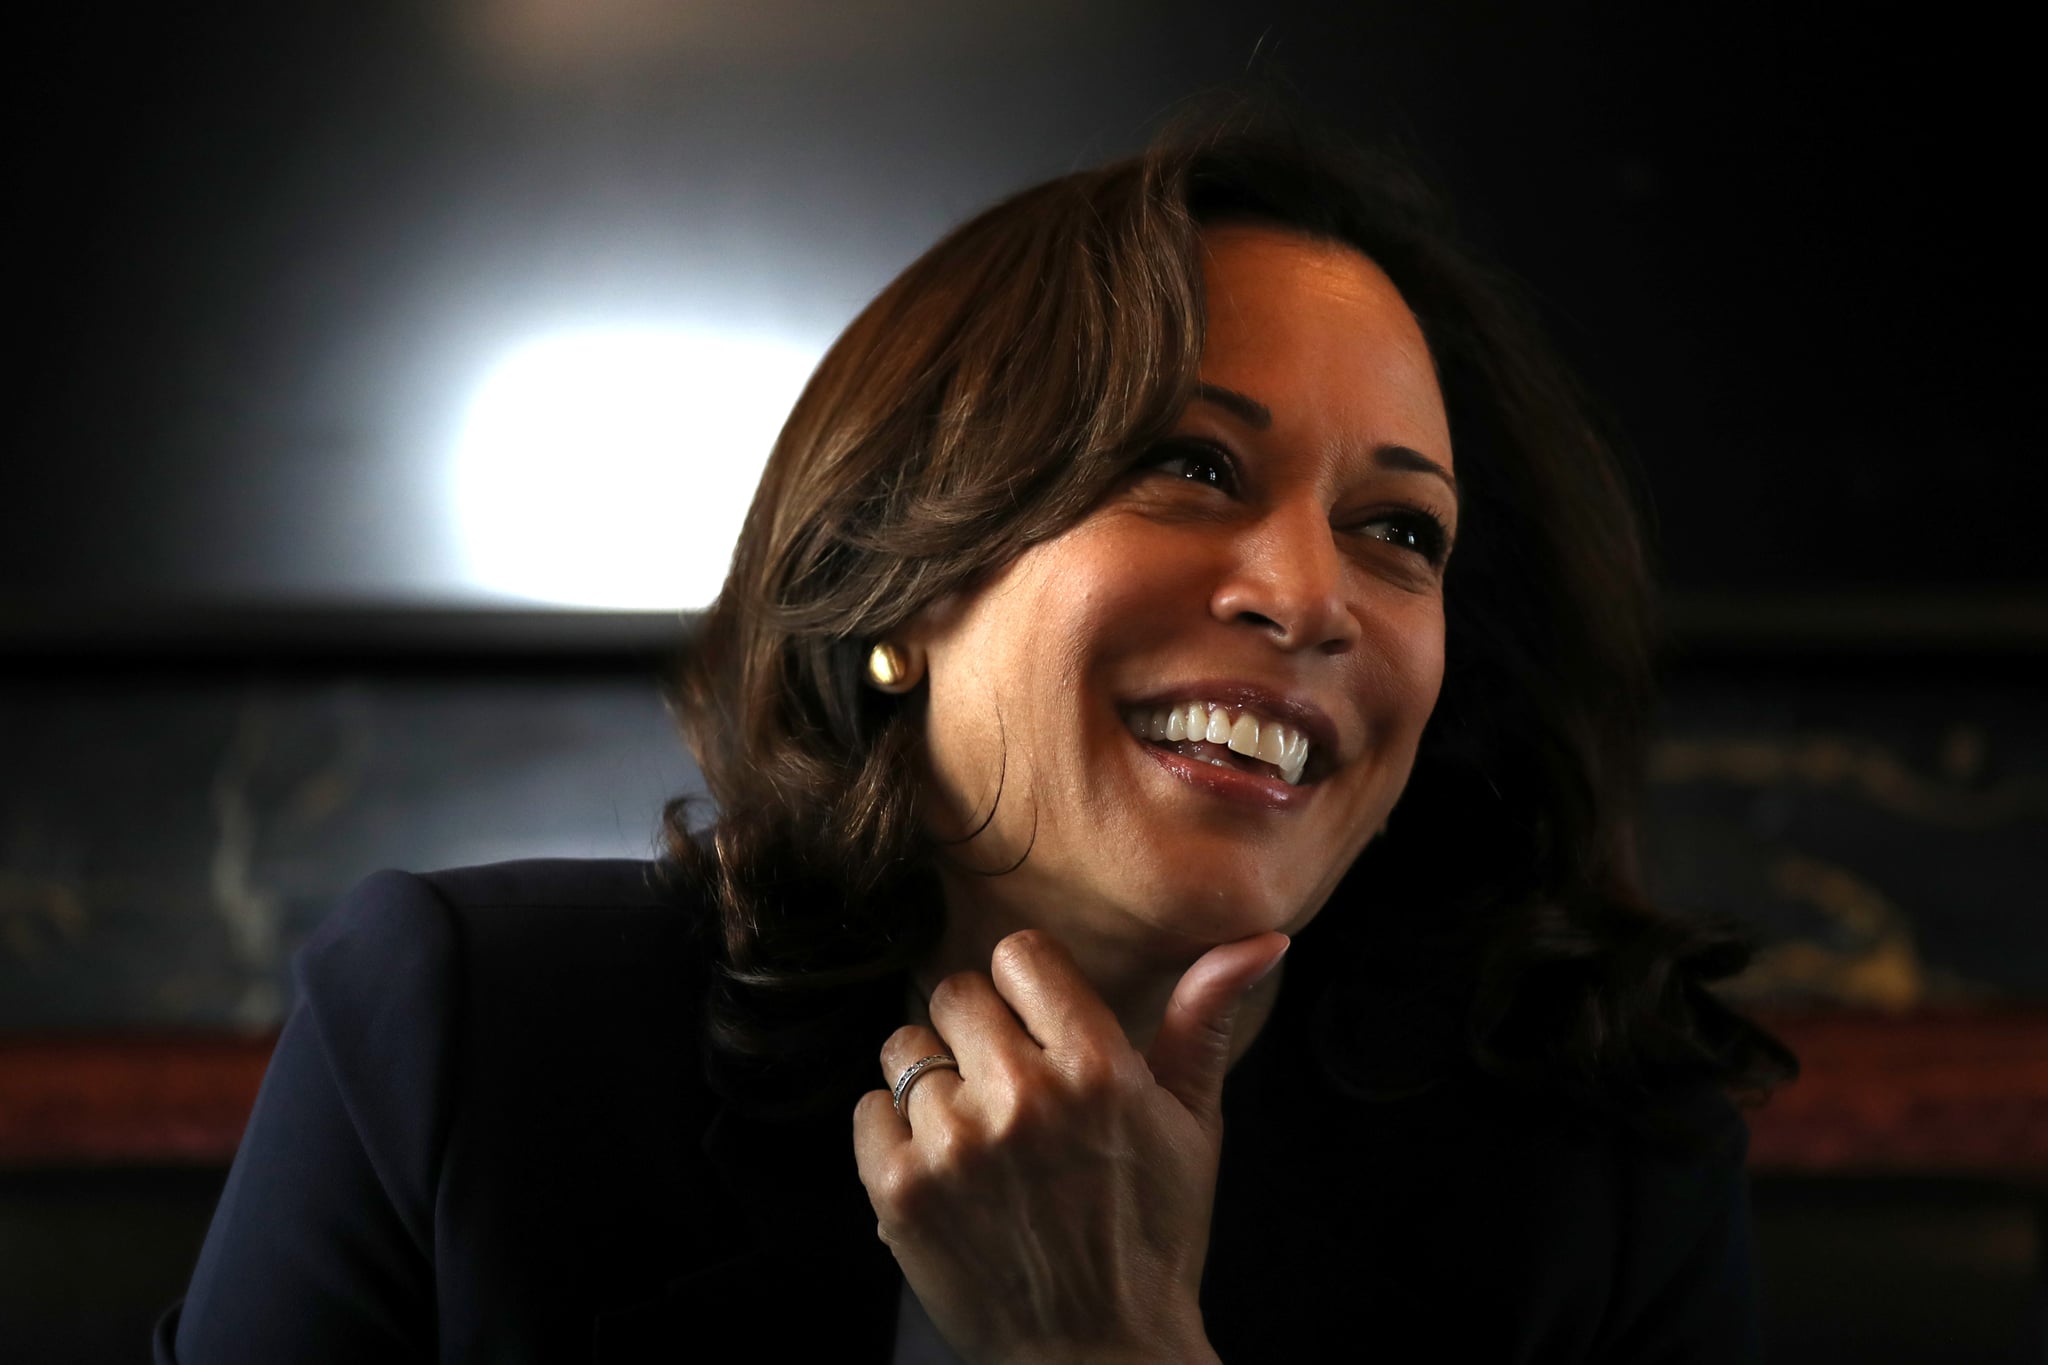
1925	1093
126	1100
1949	1092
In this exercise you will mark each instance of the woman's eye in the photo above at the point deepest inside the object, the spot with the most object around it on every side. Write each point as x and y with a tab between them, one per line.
1194	462
1416	531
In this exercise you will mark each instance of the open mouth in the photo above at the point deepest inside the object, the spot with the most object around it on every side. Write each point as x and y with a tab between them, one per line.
1233	737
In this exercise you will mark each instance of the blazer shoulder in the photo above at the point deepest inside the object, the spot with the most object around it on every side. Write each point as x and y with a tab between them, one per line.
618	884
516	955
575	942
390	931
396	978
396	941
375	981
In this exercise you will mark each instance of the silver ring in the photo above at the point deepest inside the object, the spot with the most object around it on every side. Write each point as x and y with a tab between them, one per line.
901	1091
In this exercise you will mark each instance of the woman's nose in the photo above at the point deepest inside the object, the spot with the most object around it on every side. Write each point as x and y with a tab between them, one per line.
1288	579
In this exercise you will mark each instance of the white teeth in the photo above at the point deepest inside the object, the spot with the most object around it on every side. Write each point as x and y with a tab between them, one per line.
1296	757
1273	746
1218	730
1269	741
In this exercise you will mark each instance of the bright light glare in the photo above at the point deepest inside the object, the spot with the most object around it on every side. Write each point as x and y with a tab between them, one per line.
610	468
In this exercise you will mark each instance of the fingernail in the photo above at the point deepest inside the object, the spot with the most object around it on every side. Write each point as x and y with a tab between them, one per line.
1267	970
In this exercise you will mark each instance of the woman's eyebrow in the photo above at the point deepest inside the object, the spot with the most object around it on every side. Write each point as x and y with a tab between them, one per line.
1259	417
1244	407
1401	457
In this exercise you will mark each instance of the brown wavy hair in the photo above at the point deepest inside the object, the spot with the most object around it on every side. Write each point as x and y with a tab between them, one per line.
984	402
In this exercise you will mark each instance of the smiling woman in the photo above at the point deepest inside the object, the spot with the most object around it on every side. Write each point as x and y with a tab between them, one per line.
1183	564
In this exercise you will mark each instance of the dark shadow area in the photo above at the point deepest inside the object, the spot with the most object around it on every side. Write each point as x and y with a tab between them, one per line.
1900	1270
90	1259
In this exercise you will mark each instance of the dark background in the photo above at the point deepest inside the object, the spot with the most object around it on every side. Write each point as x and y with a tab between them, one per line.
263	254
263	248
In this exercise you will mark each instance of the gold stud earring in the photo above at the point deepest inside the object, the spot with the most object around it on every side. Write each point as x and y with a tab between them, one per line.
890	669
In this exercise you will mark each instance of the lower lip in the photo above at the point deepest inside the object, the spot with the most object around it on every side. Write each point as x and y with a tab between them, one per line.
1232	784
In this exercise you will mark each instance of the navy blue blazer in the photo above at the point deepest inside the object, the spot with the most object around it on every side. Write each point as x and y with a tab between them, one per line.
486	1135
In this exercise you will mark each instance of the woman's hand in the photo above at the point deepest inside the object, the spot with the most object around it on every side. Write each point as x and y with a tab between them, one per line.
1051	1199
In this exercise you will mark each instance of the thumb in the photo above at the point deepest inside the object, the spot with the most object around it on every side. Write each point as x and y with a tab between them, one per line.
1192	1050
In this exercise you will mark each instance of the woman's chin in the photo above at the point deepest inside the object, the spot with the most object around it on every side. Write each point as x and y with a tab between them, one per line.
1219	910
1172	901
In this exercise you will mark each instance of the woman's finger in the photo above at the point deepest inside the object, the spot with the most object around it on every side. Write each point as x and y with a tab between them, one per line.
880	1130
880	1135
1191	1051
1041	983
905	1048
981	1031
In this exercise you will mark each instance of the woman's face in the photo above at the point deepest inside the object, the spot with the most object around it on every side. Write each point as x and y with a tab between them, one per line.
1272	573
